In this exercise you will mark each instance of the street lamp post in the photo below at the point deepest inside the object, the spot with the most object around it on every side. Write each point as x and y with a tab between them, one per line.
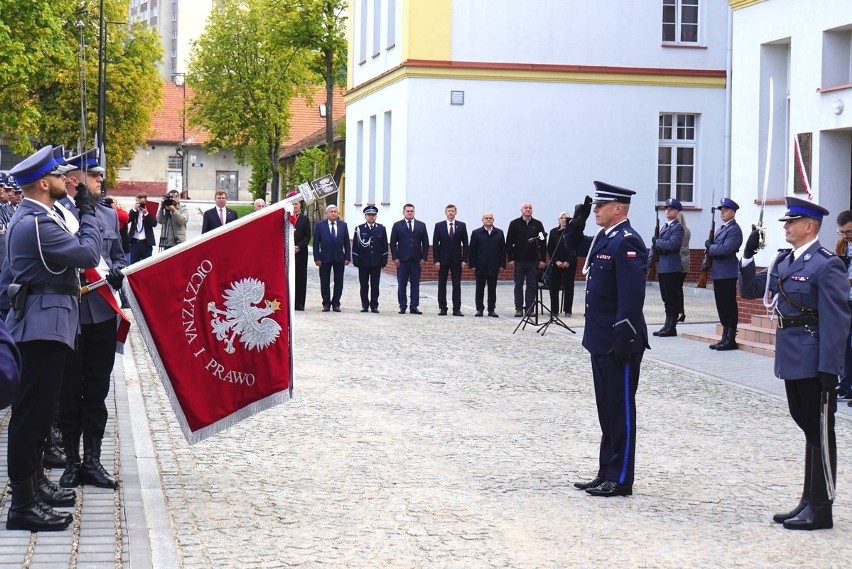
180	80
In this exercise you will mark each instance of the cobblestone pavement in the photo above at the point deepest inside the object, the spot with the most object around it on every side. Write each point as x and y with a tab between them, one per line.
427	441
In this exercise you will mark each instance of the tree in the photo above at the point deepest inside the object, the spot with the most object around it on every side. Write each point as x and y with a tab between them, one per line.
245	69
30	60
43	103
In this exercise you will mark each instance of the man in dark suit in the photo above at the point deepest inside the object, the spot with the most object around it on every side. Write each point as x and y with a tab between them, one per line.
42	262
810	289
219	215
301	237
409	245
141	226
450	251
615	334
370	255
526	252
487	257
331	252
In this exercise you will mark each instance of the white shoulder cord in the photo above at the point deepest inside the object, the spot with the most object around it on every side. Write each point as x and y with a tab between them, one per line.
592	246
40	254
770	301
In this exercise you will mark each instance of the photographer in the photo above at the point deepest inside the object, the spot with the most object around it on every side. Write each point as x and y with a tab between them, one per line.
172	216
141	225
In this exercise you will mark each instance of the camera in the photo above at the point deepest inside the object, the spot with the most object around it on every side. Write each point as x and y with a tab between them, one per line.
167	200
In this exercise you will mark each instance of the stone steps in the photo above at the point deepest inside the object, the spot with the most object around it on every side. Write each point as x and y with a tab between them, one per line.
758	337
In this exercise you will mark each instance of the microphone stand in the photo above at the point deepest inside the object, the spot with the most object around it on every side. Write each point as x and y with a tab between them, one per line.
531	315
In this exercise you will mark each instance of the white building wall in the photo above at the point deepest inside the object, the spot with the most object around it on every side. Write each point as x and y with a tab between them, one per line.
539	139
576	32
377	53
519	141
762	34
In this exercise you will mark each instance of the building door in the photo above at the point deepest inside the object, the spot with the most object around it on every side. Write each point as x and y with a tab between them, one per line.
228	180
174	182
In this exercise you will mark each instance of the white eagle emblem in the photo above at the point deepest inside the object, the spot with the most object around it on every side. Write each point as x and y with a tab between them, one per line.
243	318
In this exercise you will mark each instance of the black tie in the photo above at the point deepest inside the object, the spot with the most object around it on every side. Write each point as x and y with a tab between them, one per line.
409	225
451	231
792	256
333	230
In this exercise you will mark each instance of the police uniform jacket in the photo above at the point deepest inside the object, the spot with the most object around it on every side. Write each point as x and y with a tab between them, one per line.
726	243
816	281
370	246
487	252
33	235
93	308
615	290
668	244
408	245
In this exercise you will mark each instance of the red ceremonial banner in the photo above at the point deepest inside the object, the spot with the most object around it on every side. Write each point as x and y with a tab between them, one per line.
214	313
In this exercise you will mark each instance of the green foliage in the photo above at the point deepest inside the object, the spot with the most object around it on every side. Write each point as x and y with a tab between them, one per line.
41	100
35	52
253	58
309	165
241	209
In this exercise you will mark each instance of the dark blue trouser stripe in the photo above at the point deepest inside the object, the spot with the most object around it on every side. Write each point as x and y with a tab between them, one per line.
628	443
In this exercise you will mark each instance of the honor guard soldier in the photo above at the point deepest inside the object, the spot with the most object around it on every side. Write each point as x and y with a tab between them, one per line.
370	255
615	334
723	248
809	291
85	386
669	268
43	260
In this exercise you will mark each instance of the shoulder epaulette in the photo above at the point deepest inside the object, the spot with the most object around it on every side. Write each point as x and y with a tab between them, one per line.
825	252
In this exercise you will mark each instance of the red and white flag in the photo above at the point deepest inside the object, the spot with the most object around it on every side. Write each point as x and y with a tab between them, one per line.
215	316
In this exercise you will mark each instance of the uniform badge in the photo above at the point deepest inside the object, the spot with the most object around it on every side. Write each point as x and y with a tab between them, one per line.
800	278
807	257
631	254
627	233
602	256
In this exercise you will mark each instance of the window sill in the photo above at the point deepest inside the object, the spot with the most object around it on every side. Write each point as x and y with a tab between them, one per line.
684	45
835	88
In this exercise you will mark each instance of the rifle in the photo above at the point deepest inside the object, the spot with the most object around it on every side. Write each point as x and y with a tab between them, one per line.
708	260
655	253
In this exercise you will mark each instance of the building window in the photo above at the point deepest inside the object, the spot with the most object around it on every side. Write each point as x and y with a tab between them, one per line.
362	44
377	26
391	23
386	160
837	57
676	157
680	21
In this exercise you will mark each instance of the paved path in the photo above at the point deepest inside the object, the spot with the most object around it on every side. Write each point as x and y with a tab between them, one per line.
427	441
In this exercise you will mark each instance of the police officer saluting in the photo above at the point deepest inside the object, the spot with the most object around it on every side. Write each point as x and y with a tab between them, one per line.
809	290
370	255
615	334
82	411
43	260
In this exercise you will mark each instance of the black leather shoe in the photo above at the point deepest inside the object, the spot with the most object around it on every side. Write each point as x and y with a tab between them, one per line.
402	310
608	488
478	313
300	308
374	310
414	311
364	309
443	312
586	485
457	313
811	518
493	314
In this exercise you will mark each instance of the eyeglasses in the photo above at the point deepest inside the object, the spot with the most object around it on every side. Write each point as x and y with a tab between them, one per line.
847	233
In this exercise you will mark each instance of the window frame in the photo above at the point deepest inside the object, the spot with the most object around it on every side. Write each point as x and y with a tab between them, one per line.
679	24
672	187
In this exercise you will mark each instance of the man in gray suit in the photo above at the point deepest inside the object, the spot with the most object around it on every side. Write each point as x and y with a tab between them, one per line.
43	322
810	289
85	386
